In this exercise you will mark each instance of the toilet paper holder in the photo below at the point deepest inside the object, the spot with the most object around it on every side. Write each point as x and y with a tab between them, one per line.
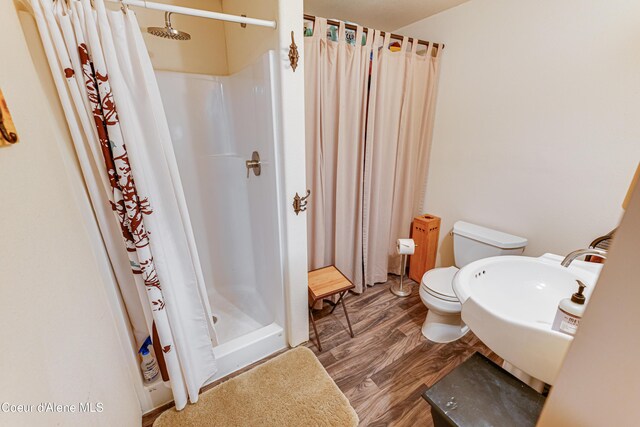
405	247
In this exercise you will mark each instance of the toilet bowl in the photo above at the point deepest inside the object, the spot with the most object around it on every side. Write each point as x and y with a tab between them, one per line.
470	243
443	323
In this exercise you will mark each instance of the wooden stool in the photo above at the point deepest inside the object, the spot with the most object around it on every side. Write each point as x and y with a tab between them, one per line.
324	283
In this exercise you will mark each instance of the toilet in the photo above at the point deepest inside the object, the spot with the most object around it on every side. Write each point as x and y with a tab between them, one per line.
470	243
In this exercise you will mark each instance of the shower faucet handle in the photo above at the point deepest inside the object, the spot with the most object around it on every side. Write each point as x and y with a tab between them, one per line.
254	164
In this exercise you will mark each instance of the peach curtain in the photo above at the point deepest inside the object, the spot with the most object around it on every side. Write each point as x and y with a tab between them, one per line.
399	131
336	75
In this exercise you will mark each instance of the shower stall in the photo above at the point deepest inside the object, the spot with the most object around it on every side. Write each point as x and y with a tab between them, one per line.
217	162
217	124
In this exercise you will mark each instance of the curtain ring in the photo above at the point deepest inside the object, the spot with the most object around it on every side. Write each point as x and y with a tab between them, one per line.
65	2
123	7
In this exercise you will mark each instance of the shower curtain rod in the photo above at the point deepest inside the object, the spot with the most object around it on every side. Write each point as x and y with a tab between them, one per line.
382	33
197	12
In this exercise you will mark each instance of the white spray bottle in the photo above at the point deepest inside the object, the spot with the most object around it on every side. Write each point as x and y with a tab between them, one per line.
149	365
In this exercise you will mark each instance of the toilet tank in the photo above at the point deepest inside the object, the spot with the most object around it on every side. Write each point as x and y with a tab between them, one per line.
472	242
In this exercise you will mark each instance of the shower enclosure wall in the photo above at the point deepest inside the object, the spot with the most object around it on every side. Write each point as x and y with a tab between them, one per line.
216	124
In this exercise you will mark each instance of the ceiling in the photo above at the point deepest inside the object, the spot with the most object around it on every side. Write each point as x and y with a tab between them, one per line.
386	15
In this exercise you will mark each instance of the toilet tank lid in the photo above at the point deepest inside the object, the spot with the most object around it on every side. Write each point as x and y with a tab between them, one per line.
490	237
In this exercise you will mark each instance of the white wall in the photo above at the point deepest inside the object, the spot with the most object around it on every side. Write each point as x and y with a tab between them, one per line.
205	53
537	124
599	383
292	155
60	342
245	45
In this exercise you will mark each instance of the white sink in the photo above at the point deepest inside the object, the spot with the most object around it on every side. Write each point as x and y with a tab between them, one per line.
509	302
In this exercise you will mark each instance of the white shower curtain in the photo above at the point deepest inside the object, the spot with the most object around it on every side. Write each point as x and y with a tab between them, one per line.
369	125
400	119
336	75
112	104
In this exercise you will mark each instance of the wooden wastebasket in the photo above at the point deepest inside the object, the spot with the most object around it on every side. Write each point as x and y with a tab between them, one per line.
425	231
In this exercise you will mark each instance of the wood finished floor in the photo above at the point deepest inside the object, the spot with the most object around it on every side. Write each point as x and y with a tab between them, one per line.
386	367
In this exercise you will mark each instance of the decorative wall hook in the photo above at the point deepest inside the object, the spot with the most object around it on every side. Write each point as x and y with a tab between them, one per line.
300	203
293	54
6	124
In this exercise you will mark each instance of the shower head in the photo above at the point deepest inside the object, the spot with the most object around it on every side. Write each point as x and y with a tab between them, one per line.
168	32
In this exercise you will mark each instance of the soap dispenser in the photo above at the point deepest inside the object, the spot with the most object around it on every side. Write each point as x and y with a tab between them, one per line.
570	312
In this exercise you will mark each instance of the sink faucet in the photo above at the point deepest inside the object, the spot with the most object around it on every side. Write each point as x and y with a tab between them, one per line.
566	262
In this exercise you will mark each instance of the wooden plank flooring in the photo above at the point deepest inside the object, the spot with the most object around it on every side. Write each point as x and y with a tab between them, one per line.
385	368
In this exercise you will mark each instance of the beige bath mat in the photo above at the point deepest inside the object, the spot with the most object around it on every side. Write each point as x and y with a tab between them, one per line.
292	389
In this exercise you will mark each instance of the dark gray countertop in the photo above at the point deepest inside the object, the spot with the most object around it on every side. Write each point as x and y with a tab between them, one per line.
481	393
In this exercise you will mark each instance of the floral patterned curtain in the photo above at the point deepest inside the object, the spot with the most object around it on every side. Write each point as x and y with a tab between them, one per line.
112	104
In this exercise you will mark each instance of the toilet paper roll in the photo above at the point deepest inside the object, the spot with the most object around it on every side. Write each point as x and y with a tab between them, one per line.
406	246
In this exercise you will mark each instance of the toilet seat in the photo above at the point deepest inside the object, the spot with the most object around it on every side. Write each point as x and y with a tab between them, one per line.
439	283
